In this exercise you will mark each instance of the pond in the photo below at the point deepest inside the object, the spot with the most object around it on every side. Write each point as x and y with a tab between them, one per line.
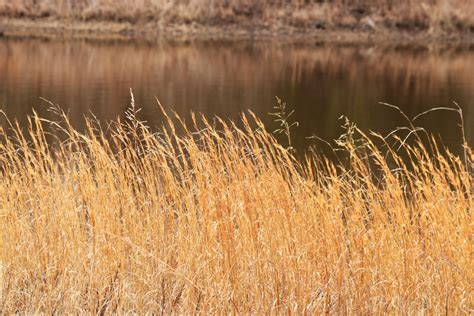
320	83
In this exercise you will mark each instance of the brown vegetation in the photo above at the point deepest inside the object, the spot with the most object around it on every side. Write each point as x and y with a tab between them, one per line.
345	14
219	219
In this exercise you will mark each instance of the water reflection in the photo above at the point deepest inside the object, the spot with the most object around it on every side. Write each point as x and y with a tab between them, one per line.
321	83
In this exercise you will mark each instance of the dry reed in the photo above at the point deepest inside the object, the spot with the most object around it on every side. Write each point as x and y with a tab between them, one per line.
211	218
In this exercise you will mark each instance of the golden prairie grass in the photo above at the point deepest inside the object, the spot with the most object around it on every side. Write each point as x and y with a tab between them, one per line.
211	217
409	14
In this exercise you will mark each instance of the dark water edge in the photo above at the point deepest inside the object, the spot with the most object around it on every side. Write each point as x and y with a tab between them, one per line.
320	83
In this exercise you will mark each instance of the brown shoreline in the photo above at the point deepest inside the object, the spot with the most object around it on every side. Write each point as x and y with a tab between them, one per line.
153	31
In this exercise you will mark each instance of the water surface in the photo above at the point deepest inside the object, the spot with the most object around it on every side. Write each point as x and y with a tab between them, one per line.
225	79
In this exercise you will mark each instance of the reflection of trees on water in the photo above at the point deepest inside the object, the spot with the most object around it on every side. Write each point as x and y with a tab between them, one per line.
225	79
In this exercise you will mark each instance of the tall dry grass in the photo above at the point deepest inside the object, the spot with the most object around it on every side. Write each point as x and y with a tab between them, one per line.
205	217
411	14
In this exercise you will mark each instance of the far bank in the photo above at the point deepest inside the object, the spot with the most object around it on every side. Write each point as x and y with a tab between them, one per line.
152	31
336	21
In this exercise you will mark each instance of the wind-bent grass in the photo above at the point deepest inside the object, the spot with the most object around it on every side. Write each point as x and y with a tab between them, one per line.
216	219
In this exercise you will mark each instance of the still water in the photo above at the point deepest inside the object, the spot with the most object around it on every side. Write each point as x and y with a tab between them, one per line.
225	79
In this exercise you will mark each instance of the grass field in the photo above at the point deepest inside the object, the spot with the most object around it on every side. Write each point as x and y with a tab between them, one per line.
403	14
215	217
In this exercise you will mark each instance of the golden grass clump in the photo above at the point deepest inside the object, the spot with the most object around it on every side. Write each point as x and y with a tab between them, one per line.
208	217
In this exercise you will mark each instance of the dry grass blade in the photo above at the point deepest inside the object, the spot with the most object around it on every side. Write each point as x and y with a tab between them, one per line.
458	110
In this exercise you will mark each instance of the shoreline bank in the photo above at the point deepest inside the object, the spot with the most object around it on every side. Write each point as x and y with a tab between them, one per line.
153	31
